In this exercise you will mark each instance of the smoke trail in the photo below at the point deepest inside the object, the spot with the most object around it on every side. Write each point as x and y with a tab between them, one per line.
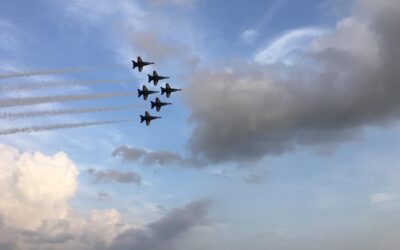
32	114
56	127
61	98
41	85
43	72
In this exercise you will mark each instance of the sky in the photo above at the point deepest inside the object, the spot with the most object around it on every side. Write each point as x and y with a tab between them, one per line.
285	136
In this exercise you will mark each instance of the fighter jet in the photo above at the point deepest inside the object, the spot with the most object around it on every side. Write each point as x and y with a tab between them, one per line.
148	118
158	104
155	78
140	64
145	92
168	90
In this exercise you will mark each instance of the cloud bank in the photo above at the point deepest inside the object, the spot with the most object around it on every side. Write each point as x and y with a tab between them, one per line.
347	80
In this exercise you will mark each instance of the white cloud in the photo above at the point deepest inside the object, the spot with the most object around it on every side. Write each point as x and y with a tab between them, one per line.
383	198
35	214
249	35
281	48
35	187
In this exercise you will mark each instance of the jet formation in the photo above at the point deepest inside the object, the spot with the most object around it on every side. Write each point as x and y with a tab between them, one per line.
145	92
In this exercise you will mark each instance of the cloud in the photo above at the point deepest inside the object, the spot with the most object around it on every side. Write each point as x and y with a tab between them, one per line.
174	2
150	158
257	177
104	196
283	47
162	233
35	214
327	97
383	198
152	34
35	187
249	35
115	176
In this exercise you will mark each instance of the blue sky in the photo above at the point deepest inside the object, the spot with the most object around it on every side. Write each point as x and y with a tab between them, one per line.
285	135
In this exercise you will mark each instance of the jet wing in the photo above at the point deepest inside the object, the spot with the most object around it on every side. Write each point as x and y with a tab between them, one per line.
140	68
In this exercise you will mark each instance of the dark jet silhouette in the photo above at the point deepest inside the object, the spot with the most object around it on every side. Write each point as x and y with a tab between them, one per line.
145	92
140	64
158	104
155	78
168	90
148	118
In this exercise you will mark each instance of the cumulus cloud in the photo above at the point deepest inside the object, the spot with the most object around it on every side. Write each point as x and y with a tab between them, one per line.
115	176
35	187
34	211
348	80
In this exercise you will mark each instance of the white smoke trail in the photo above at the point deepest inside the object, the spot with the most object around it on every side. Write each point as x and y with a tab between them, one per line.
43	72
57	84
33	114
63	98
56	127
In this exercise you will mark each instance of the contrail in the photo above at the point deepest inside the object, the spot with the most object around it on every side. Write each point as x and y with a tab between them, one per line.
43	72
57	127
41	85
32	114
61	98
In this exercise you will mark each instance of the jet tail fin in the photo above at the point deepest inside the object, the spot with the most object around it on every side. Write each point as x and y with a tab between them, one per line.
150	78
153	104
142	119
163	90
134	64
140	93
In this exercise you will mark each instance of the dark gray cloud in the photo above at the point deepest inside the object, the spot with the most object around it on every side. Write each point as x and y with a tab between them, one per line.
150	158
348	81
161	234
115	176
129	154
